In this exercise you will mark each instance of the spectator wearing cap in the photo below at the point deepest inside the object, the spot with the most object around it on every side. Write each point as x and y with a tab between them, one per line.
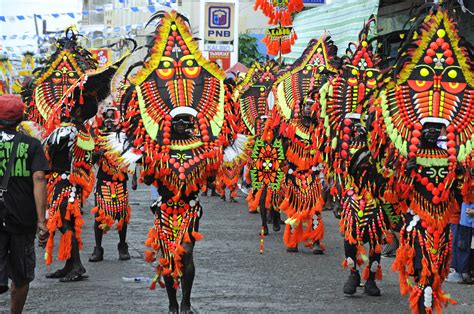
22	202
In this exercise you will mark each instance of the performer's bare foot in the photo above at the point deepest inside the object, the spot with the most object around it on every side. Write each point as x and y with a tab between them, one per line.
186	308
173	311
60	273
76	274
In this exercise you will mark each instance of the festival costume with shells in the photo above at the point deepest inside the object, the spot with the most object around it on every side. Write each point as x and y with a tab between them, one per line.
363	218
69	184
433	83
69	145
175	80
303	200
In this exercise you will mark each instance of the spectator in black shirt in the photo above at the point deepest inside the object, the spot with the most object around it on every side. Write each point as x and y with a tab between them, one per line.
22	202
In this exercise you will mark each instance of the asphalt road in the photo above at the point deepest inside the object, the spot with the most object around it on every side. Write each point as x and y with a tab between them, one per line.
231	275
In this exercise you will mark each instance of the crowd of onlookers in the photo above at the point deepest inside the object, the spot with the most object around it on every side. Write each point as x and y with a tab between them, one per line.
462	260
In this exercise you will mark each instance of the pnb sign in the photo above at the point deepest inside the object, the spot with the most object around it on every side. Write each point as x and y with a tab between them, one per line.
219	22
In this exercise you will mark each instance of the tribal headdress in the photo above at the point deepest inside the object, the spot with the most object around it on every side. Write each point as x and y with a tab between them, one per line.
176	80
343	98
252	94
292	87
63	71
432	81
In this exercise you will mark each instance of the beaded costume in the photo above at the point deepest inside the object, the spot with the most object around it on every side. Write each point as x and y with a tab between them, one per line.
175	81
69	184
237	147
363	218
68	84
111	192
429	89
265	162
303	200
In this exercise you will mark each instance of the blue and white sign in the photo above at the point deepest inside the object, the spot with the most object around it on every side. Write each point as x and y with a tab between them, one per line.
219	22
313	3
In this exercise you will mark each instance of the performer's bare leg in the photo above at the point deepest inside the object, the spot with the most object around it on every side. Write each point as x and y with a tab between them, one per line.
123	246
188	277
173	306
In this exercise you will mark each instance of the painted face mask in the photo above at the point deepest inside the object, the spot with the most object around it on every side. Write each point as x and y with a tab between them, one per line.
252	94
344	98
306	74
53	91
176	80
435	87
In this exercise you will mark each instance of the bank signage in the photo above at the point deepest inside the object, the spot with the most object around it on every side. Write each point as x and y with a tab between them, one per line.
219	22
214	47
312	3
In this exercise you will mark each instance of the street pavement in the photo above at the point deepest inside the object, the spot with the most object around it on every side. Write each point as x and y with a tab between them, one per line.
231	275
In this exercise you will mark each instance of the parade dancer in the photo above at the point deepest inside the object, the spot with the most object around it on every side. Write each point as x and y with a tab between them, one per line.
265	176
237	147
69	185
428	92
363	218
303	200
64	95
174	112
111	192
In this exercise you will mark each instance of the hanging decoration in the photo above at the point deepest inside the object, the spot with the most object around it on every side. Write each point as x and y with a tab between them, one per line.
279	11
279	40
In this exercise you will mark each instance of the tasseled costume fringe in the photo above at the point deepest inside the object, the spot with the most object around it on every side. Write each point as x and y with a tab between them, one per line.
170	243
372	224
434	268
112	204
300	210
57	197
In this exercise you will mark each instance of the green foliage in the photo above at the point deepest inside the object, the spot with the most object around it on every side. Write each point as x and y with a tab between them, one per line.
248	51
